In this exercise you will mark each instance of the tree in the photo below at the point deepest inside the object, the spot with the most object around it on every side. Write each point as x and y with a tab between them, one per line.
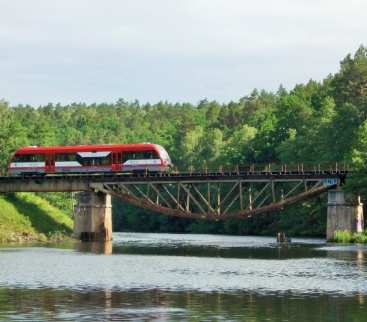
239	149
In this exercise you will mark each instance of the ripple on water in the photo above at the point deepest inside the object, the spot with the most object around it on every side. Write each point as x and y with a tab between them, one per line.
57	268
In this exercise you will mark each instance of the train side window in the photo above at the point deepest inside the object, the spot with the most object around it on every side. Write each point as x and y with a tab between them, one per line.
29	158
87	162
20	158
65	157
107	160
38	157
127	156
94	161
139	155
150	155
102	160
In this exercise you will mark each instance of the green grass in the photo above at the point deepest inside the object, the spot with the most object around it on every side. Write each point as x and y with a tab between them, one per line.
25	216
343	236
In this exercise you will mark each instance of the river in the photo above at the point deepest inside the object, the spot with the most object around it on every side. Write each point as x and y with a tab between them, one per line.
175	277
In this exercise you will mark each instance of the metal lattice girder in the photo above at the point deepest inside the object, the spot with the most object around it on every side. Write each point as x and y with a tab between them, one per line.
207	195
214	200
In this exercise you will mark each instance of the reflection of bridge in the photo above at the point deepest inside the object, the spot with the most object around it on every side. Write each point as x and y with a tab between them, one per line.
201	195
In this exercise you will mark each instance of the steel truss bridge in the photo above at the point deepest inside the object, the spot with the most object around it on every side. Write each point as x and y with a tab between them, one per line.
200	195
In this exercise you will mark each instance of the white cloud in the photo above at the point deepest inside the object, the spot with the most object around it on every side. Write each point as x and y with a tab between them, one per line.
89	50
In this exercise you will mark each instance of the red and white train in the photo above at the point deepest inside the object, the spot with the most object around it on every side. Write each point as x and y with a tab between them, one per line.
90	159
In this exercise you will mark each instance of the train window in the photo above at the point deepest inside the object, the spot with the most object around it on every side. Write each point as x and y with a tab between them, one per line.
38	157
126	156
29	158
87	162
65	157
19	158
102	161
139	155
94	161
150	155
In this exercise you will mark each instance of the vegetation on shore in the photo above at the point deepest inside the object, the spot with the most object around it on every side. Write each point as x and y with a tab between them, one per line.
25	217
320	122
345	237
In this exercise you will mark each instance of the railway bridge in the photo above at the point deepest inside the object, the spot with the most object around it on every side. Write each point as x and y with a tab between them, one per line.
209	195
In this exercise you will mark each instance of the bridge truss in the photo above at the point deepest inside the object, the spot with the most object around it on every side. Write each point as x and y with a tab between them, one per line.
201	195
219	196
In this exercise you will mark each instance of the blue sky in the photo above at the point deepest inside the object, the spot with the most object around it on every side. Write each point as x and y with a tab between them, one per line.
176	50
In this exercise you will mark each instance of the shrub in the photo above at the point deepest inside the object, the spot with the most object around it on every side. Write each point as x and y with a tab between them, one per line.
360	238
343	236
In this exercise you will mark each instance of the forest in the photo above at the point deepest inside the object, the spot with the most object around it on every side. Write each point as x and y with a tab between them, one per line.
317	122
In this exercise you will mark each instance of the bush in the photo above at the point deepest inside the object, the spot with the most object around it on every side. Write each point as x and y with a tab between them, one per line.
360	238
344	236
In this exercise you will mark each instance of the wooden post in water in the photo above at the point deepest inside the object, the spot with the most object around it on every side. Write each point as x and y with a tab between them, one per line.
93	217
343	214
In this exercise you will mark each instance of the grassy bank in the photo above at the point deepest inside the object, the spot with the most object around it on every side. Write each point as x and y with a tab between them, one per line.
343	236
27	217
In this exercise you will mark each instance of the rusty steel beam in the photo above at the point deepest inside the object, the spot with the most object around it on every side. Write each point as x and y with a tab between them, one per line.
240	214
212	196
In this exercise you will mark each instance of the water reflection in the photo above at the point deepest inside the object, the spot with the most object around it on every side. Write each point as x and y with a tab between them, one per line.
356	253
165	277
215	246
104	248
160	305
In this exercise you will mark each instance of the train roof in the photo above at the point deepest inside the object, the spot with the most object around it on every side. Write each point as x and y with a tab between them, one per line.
86	148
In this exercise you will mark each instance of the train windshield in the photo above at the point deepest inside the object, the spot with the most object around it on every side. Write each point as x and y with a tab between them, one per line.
164	153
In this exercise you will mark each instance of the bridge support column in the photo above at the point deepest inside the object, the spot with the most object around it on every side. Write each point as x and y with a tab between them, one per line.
343	214
93	217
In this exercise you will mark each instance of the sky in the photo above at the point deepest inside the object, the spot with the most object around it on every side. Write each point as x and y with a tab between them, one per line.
175	50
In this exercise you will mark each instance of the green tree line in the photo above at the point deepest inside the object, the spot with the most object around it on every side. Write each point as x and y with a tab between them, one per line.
317	122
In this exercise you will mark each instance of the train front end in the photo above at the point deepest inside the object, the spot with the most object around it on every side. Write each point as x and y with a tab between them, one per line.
166	163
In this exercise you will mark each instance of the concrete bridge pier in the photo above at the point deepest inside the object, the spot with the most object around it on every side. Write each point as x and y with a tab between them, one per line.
343	213
93	217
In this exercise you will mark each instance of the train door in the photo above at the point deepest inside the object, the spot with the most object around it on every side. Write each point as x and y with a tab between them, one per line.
116	161
50	163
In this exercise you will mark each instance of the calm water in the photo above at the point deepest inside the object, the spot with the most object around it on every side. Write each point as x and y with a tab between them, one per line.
164	277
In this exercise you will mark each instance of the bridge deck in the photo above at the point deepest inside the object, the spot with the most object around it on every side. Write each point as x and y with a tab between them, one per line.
81	182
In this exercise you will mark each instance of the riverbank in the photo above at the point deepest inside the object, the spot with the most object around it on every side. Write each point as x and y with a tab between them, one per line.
25	217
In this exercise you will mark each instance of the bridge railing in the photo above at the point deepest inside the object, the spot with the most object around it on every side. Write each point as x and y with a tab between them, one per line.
326	167
301	167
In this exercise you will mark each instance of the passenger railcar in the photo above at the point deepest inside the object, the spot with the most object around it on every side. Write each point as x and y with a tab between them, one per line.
90	159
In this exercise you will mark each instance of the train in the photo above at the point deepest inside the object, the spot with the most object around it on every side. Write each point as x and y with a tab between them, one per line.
104	158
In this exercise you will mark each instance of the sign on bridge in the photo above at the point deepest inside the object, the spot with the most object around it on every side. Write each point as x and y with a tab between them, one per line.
330	181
